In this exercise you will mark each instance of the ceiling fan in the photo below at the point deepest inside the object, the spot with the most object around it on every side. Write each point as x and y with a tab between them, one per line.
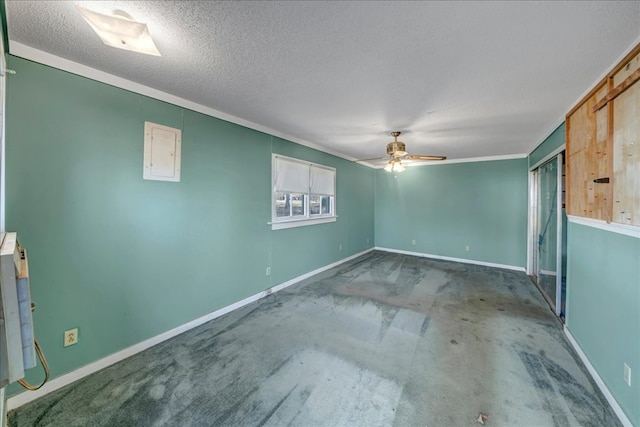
397	152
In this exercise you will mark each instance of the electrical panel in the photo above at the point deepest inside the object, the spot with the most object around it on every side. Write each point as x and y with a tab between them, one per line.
162	152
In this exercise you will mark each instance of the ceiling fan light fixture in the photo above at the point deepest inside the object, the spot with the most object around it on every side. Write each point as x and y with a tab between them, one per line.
398	167
389	166
397	151
121	31
394	166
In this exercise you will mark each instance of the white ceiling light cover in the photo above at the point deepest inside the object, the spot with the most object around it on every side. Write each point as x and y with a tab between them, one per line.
120	30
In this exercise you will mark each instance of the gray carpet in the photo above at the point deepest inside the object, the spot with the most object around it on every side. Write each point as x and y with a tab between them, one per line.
383	340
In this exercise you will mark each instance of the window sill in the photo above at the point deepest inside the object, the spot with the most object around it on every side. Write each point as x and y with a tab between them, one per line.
291	223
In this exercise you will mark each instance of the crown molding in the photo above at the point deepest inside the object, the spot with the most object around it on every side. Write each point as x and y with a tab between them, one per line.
29	53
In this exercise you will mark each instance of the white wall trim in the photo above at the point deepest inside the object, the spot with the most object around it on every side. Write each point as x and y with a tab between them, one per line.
532	205
3	409
627	230
36	55
281	225
548	157
594	374
447	258
559	234
66	379
27	52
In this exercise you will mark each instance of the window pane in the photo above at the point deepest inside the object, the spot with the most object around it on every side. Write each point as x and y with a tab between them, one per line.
326	205
288	205
314	205
297	204
320	205
283	205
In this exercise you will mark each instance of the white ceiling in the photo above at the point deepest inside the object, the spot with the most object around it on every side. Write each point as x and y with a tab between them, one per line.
460	79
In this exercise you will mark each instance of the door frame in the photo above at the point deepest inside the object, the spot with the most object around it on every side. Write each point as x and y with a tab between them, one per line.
532	223
559	160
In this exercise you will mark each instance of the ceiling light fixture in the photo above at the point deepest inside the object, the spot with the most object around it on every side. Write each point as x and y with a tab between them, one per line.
121	30
394	166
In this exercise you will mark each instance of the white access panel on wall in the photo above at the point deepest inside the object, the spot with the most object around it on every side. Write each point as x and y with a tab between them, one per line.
162	146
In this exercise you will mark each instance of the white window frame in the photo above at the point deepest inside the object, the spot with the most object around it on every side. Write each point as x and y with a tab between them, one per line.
278	223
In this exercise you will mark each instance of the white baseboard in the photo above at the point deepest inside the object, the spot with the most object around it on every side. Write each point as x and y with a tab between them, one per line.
447	258
66	379
594	374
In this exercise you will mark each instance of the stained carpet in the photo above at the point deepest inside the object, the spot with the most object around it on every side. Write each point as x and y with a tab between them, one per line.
383	340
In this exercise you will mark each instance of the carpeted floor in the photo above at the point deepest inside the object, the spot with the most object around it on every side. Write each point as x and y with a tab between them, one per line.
383	340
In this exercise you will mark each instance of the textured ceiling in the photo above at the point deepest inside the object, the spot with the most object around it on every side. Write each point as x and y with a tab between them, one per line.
460	79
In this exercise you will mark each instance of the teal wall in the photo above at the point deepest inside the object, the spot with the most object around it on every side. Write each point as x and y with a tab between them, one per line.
444	207
124	259
603	307
553	141
308	248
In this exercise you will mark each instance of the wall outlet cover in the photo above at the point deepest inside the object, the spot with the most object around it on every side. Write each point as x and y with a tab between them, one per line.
70	337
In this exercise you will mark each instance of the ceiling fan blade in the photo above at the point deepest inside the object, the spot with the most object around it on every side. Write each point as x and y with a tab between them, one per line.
375	158
419	157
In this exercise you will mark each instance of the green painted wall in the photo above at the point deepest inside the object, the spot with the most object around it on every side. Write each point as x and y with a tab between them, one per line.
308	248
124	259
603	307
553	141
444	207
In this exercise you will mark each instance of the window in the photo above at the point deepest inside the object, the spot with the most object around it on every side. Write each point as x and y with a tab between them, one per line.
303	193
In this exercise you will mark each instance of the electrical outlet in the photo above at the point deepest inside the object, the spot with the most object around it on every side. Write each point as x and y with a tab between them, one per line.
268	271
413	242
466	248
70	337
627	374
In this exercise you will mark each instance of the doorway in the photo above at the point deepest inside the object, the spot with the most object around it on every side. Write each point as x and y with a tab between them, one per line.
549	232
